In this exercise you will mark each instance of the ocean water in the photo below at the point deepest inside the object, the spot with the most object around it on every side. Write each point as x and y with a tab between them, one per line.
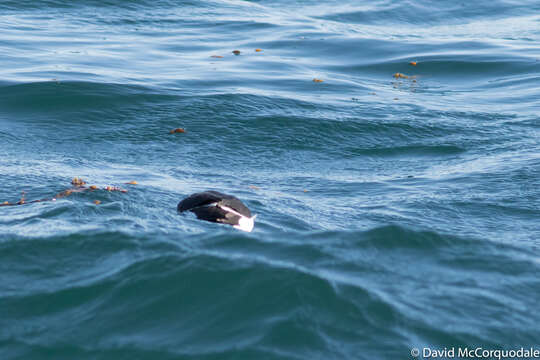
393	212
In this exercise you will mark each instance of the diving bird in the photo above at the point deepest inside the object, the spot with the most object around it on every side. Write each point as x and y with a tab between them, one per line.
218	207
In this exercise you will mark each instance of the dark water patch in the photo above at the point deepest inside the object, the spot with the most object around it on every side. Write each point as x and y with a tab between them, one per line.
67	263
26	348
327	134
215	120
229	284
398	237
32	216
416	151
59	4
56	96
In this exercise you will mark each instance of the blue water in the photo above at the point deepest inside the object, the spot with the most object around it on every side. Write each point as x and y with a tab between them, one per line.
392	212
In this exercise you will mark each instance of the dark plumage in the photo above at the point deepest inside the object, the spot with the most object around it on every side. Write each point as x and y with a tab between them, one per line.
218	207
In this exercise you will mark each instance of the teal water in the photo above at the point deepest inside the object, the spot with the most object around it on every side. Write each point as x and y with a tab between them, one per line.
392	213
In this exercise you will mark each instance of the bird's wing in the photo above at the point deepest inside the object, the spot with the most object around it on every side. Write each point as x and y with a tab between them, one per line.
198	199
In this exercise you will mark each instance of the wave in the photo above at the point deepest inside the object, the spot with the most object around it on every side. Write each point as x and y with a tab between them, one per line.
423	13
55	96
63	4
218	300
252	122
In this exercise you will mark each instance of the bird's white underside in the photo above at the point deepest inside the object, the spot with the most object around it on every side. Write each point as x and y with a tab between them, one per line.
244	223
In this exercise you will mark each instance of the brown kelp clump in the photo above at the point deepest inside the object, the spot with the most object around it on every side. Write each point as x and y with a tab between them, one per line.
78	185
400	76
78	182
177	131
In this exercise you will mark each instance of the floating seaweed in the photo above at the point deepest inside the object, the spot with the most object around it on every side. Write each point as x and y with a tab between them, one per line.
23	198
115	188
78	181
78	186
258	50
177	130
236	52
318	80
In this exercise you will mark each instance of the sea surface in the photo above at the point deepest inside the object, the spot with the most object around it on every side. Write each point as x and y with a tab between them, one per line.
397	195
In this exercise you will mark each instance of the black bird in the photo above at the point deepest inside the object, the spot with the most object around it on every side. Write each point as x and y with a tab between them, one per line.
218	207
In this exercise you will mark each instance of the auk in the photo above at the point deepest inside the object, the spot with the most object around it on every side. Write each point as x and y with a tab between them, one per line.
218	207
